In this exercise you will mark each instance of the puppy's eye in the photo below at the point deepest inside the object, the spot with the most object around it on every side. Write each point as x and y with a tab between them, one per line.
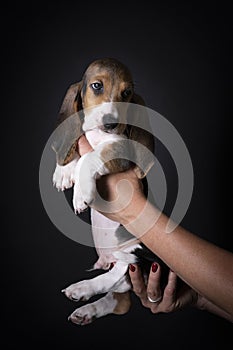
126	93
97	86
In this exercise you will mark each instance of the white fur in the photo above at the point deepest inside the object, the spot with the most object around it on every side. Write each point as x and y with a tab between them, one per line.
88	169
83	174
85	314
94	115
97	136
63	177
114	280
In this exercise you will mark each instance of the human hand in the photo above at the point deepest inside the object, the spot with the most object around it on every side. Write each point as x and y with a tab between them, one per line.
151	295
83	146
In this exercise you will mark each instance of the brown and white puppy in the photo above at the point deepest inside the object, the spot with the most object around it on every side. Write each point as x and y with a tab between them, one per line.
100	106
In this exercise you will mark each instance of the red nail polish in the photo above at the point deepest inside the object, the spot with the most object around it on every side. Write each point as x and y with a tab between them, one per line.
111	265
154	267
132	268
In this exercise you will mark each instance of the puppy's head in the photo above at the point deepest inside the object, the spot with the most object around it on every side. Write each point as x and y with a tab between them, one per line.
106	82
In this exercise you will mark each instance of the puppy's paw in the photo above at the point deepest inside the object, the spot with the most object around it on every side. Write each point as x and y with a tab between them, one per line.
89	312
79	291
83	195
83	315
63	177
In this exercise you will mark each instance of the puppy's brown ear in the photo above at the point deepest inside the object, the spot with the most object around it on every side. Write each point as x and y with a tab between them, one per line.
68	125
143	136
72	102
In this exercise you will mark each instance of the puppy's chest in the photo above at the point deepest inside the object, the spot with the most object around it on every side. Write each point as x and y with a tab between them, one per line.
95	137
98	136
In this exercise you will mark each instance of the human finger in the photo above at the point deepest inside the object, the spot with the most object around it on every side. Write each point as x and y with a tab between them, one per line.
154	293
83	145
169	293
138	283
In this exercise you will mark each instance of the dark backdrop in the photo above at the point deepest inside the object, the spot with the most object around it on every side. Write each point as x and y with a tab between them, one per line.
180	58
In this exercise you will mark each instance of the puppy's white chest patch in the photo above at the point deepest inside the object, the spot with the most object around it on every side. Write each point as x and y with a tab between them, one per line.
94	137
97	136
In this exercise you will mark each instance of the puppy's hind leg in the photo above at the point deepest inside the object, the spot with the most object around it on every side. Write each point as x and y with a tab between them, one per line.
116	303
114	280
123	303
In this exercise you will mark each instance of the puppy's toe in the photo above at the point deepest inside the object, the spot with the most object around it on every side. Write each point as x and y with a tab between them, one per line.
66	183
79	202
80	319
79	206
83	315
78	291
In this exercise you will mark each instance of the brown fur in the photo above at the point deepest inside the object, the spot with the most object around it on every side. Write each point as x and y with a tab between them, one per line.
123	303
115	77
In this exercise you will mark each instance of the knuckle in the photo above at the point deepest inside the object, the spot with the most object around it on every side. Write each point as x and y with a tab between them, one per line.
144	303
153	292
154	295
169	291
138	291
154	310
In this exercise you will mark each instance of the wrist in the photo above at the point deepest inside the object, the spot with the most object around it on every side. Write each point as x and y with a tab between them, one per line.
129	214
141	218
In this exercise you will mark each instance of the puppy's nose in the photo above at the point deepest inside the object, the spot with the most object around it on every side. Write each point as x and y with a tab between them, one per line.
109	121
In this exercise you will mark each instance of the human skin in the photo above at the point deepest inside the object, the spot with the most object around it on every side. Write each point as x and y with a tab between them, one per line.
206	268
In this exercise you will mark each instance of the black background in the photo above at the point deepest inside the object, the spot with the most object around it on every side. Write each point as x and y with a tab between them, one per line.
180	58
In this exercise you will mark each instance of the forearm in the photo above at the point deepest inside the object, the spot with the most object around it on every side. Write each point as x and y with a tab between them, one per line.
202	265
205	267
205	305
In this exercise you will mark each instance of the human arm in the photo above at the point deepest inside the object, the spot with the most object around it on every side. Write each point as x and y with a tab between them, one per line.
205	267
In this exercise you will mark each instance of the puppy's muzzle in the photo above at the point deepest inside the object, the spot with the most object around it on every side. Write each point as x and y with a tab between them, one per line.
110	122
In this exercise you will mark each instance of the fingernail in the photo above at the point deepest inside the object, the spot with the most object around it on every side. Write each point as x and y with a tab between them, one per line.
111	265
154	267
132	267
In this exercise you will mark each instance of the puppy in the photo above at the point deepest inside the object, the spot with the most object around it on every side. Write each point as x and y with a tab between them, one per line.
99	106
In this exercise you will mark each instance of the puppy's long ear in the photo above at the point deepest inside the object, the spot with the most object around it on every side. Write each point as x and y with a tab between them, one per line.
68	125
72	102
142	136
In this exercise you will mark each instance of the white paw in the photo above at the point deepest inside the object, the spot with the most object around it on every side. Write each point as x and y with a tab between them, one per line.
83	196
85	184
63	176
89	312
83	315
79	291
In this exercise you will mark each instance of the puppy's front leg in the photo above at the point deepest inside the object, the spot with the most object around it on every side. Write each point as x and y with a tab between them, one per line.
63	176
85	174
108	157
